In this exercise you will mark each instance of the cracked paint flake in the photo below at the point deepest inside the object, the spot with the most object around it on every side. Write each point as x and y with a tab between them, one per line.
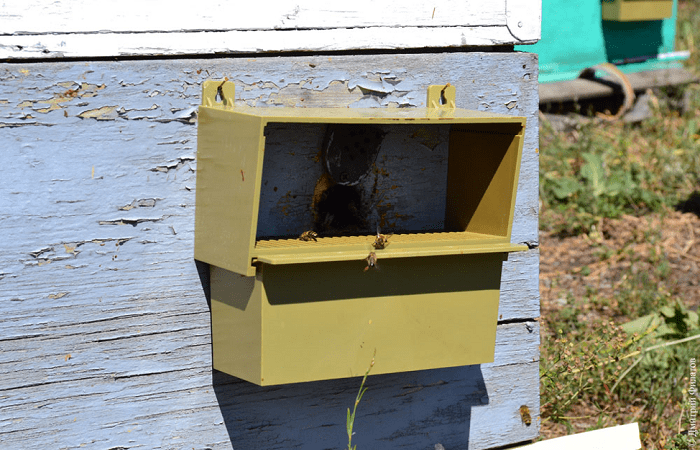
355	93
103	113
47	255
53	107
41	251
124	113
72	91
140	203
17	125
132	222
175	165
387	87
372	86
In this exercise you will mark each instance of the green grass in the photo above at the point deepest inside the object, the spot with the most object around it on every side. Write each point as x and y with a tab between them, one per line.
350	420
605	170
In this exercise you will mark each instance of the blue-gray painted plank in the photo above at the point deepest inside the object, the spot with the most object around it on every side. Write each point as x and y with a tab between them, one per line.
105	329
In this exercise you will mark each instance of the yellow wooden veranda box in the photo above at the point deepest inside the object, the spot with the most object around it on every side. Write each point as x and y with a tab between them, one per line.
636	10
334	232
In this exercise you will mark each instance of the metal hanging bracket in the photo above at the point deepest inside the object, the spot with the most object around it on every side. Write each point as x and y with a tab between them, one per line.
218	93
441	96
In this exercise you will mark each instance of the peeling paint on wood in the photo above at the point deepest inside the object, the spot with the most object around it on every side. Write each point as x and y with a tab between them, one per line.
105	331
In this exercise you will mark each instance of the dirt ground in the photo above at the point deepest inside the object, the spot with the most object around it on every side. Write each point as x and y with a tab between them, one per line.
602	261
664	248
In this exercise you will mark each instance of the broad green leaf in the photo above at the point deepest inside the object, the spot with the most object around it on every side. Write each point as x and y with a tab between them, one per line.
594	173
563	188
641	324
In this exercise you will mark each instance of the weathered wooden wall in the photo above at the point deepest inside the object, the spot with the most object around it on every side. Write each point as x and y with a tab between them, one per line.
104	325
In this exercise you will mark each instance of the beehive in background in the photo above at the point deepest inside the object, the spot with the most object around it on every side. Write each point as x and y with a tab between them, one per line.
636	36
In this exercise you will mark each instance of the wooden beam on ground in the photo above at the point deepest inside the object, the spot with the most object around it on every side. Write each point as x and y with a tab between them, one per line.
581	89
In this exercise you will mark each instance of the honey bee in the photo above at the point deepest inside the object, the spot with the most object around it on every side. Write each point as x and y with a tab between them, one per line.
308	236
381	241
371	261
525	415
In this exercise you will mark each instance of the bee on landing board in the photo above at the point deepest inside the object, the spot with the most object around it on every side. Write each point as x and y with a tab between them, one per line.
381	241
371	261
308	236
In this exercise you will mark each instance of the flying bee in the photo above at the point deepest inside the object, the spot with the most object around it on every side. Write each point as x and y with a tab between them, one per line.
525	415
308	236
381	241
371	261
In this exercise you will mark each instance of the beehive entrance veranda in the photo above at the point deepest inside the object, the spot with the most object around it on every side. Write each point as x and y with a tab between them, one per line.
440	180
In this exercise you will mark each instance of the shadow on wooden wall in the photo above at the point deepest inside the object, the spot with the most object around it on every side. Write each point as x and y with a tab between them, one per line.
398	410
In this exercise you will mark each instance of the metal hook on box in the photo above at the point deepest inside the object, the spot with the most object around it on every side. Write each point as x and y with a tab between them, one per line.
441	96
218	93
